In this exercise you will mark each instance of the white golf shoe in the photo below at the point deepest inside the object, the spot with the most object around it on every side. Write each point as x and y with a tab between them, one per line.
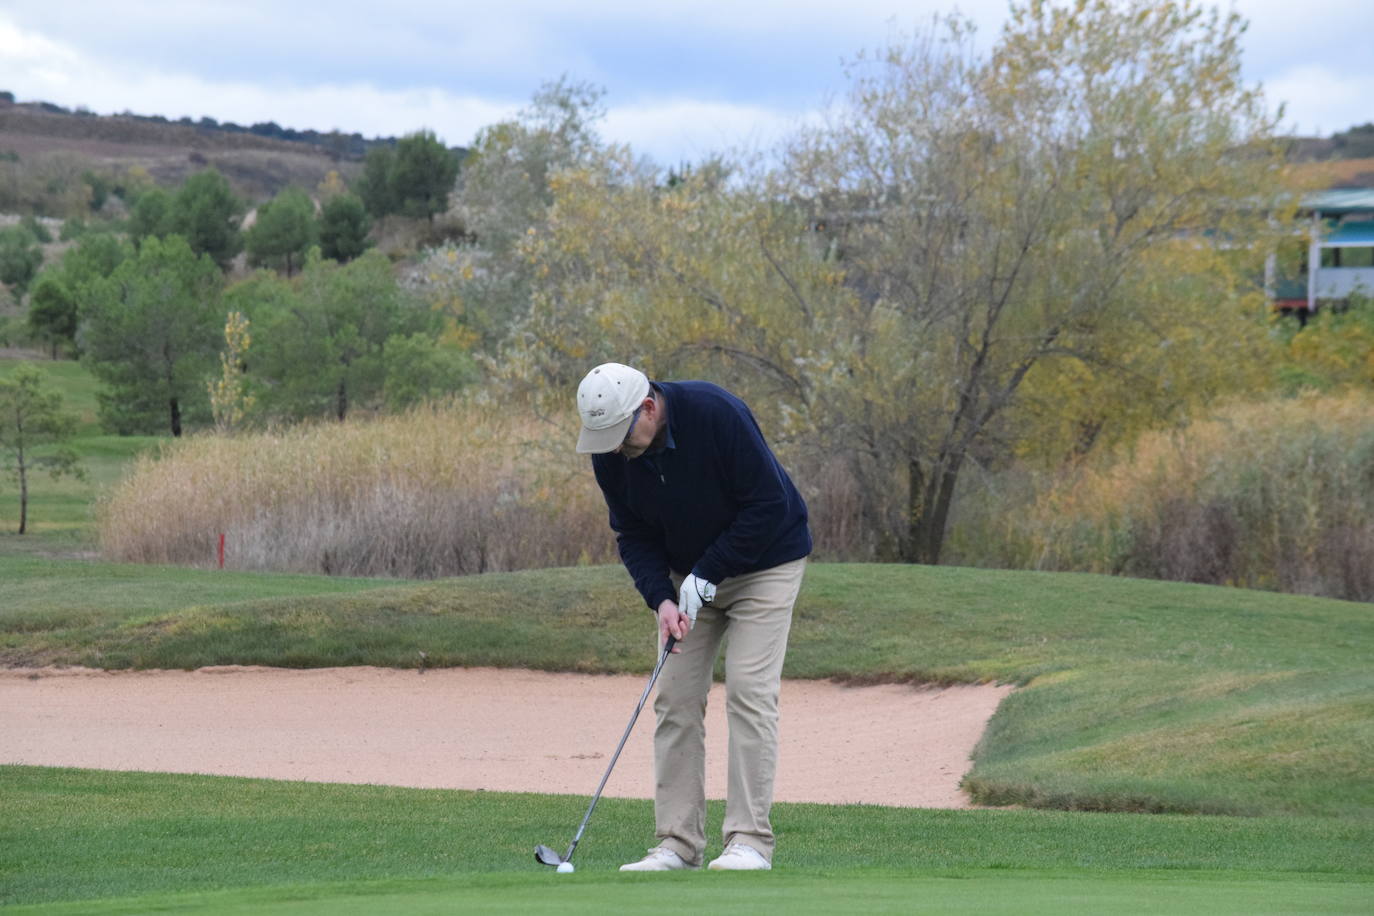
658	859
740	857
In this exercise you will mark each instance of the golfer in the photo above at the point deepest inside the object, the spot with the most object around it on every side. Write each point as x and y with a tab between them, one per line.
714	535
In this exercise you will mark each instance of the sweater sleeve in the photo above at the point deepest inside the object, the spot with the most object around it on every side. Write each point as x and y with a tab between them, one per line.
756	485
641	545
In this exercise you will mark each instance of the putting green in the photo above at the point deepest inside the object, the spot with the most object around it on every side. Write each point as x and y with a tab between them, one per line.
986	893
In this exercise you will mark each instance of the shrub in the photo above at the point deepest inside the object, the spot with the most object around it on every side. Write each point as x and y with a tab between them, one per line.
438	491
1275	495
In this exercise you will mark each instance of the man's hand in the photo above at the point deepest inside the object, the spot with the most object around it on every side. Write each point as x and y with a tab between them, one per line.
695	593
672	622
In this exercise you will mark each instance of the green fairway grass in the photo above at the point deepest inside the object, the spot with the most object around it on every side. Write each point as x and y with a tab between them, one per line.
88	841
1135	695
838	892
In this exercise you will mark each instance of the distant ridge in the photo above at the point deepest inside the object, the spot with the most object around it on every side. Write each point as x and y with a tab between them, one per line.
259	160
124	127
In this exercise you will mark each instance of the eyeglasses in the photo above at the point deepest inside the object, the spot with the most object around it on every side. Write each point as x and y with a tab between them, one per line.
634	418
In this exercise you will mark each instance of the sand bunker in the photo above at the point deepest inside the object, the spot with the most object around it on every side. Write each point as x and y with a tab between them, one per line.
477	728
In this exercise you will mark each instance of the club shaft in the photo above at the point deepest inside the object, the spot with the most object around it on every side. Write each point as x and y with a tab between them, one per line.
648	688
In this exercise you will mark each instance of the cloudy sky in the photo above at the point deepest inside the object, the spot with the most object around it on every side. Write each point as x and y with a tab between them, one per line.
682	79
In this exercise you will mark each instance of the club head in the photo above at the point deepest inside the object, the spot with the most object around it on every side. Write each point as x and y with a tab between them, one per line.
546	856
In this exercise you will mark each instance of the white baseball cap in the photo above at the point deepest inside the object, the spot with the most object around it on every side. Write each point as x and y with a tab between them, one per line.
607	399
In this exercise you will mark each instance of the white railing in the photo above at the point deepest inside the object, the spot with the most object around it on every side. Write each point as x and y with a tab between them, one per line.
1341	282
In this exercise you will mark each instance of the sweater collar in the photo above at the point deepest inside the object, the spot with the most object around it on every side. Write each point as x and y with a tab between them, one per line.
668	440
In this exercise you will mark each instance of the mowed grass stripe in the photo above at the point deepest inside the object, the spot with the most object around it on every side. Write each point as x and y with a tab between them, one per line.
72	835
1136	695
834	892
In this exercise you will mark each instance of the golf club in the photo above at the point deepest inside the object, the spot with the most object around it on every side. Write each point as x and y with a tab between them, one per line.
546	856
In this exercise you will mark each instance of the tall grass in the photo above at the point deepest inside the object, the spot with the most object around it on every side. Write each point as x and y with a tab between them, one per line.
442	490
1275	495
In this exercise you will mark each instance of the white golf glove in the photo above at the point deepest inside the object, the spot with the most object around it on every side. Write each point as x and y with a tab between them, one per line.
694	594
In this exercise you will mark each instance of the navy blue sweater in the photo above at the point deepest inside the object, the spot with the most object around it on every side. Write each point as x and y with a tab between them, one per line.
713	501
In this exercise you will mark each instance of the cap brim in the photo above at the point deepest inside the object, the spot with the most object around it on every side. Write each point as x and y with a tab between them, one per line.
600	441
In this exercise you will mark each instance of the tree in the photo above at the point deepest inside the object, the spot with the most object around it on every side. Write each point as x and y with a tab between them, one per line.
285	228
423	175
418	367
152	330
96	255
56	301
320	348
1334	349
1015	213
1354	143
375	186
343	228
151	215
205	212
505	187
31	417
36	229
100	186
330	186
504	193
414	178
52	312
229	399
20	258
970	228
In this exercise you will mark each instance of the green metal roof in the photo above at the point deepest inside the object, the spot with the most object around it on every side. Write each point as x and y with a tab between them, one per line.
1360	235
1337	203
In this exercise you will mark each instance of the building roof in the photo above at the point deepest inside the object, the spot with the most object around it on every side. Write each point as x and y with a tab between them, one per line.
1339	202
1348	235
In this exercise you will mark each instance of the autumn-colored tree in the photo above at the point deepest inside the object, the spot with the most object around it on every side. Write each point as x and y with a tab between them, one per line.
330	186
503	196
229	398
923	274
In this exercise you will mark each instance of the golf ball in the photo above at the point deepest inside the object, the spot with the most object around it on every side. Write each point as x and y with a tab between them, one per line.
565	868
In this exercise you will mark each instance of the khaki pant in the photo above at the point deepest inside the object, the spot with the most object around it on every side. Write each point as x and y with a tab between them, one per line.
755	612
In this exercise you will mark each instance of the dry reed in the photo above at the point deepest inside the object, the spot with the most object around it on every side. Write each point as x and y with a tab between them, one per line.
1276	494
442	490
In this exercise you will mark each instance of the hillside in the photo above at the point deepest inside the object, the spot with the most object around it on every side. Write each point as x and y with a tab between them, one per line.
1337	173
257	166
